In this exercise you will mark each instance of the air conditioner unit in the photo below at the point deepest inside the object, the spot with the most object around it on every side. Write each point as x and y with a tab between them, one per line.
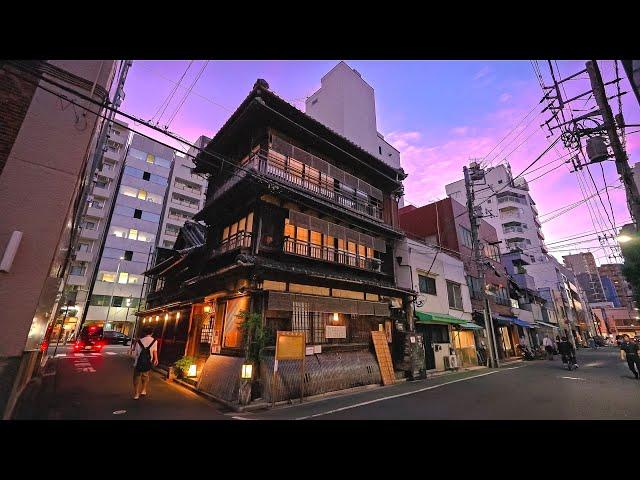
450	362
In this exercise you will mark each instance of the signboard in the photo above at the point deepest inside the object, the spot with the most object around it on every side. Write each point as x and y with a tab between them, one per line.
290	346
335	331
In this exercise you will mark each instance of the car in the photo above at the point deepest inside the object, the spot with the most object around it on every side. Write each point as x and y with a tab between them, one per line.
112	337
90	338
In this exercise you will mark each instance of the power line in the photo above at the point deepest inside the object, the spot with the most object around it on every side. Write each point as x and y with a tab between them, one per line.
187	93
169	97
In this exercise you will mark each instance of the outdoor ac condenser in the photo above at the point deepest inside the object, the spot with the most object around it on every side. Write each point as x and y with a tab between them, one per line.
450	362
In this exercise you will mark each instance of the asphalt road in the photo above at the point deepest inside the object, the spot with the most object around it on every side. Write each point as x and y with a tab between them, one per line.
98	386
602	388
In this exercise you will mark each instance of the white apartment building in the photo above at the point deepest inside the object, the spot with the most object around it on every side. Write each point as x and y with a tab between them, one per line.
346	104
94	222
185	196
132	235
512	211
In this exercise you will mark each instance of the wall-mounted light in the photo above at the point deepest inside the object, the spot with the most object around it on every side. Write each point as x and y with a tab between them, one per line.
336	318
144	320
157	318
192	370
247	371
166	317
178	316
207	308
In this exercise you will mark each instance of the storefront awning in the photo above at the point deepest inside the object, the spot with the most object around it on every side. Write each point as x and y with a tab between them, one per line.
437	318
547	325
502	320
471	326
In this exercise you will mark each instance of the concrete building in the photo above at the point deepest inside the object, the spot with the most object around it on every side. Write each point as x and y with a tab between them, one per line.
583	266
618	321
622	289
443	308
132	234
185	196
44	149
93	225
346	104
512	211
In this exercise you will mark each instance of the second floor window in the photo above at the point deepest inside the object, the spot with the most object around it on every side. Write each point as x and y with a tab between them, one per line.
465	235
454	292
427	285
475	287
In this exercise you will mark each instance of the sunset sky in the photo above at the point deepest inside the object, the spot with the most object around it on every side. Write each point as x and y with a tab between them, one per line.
439	114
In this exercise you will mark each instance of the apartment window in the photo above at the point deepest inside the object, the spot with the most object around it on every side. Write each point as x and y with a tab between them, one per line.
167	244
128	255
380	150
99	300
146	175
427	285
151	217
454	293
117	302
102	183
492	252
87	225
157	179
112	253
84	247
465	235
78	270
109	277
137	213
133	234
502	296
499	181
150	158
123	277
142	194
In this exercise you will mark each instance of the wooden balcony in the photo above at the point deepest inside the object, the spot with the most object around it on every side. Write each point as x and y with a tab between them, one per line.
329	254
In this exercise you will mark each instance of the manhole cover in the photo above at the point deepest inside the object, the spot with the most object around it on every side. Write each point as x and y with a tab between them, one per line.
119	412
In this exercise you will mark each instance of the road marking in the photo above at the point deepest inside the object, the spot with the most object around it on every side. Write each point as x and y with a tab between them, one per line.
402	394
78	354
241	418
119	412
111	353
61	355
573	378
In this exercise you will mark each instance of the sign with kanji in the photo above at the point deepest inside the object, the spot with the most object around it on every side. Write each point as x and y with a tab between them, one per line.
290	346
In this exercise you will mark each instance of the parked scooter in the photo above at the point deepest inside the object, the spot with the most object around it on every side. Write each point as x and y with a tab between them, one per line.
526	353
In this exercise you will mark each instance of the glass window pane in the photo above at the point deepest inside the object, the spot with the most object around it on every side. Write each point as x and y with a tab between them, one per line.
133	234
241	224
249	226
316	238
225	233
150	158
234	229
289	229
142	195
123	277
107	277
302	234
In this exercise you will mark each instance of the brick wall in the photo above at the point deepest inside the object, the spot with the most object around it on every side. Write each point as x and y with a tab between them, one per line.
15	98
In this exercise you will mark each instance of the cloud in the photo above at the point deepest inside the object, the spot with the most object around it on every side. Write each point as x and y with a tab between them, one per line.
505	97
460	131
483	72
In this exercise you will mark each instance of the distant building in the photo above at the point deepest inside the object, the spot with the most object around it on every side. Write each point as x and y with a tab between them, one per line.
511	211
623	290
584	268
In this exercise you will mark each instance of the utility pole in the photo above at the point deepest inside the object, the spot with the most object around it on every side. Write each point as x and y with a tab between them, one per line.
622	162
469	178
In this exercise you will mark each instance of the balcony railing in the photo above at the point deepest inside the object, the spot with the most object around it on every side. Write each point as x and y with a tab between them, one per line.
172	233
329	254
187	188
179	201
513	229
274	167
179	217
511	198
237	240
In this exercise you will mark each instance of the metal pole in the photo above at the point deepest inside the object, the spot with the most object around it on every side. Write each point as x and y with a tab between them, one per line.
61	328
622	161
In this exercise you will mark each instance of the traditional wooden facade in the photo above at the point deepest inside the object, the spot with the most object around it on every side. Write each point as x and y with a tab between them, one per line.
300	227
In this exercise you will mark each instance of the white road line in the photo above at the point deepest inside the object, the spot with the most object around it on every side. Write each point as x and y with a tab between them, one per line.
78	354
111	353
573	378
413	392
61	355
241	418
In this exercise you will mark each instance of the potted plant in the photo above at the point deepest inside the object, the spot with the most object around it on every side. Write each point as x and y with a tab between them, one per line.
181	367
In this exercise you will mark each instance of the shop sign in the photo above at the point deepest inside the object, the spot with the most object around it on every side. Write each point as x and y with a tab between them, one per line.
290	346
335	331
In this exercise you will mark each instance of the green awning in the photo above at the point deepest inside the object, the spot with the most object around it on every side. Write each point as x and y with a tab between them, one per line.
438	318
471	326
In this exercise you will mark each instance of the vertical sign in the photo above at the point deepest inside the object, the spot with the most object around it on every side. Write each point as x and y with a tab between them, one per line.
289	346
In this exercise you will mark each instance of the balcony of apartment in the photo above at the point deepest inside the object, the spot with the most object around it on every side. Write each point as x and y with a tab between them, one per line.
516	244
171	232
188	189
303	177
510	213
95	212
185	202
83	256
523	312
80	280
89	234
520	183
108	170
510	199
101	191
330	254
181	216
112	154
513	227
525	280
535	210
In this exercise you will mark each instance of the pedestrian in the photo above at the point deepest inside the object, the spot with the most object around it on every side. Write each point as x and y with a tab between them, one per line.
145	355
630	350
548	346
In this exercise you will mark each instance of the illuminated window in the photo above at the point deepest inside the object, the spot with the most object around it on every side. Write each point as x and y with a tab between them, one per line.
369	252
108	277
225	233
135	279
289	229
234	229
242	224
133	234
302	234
150	158
123	277
249	226
142	195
